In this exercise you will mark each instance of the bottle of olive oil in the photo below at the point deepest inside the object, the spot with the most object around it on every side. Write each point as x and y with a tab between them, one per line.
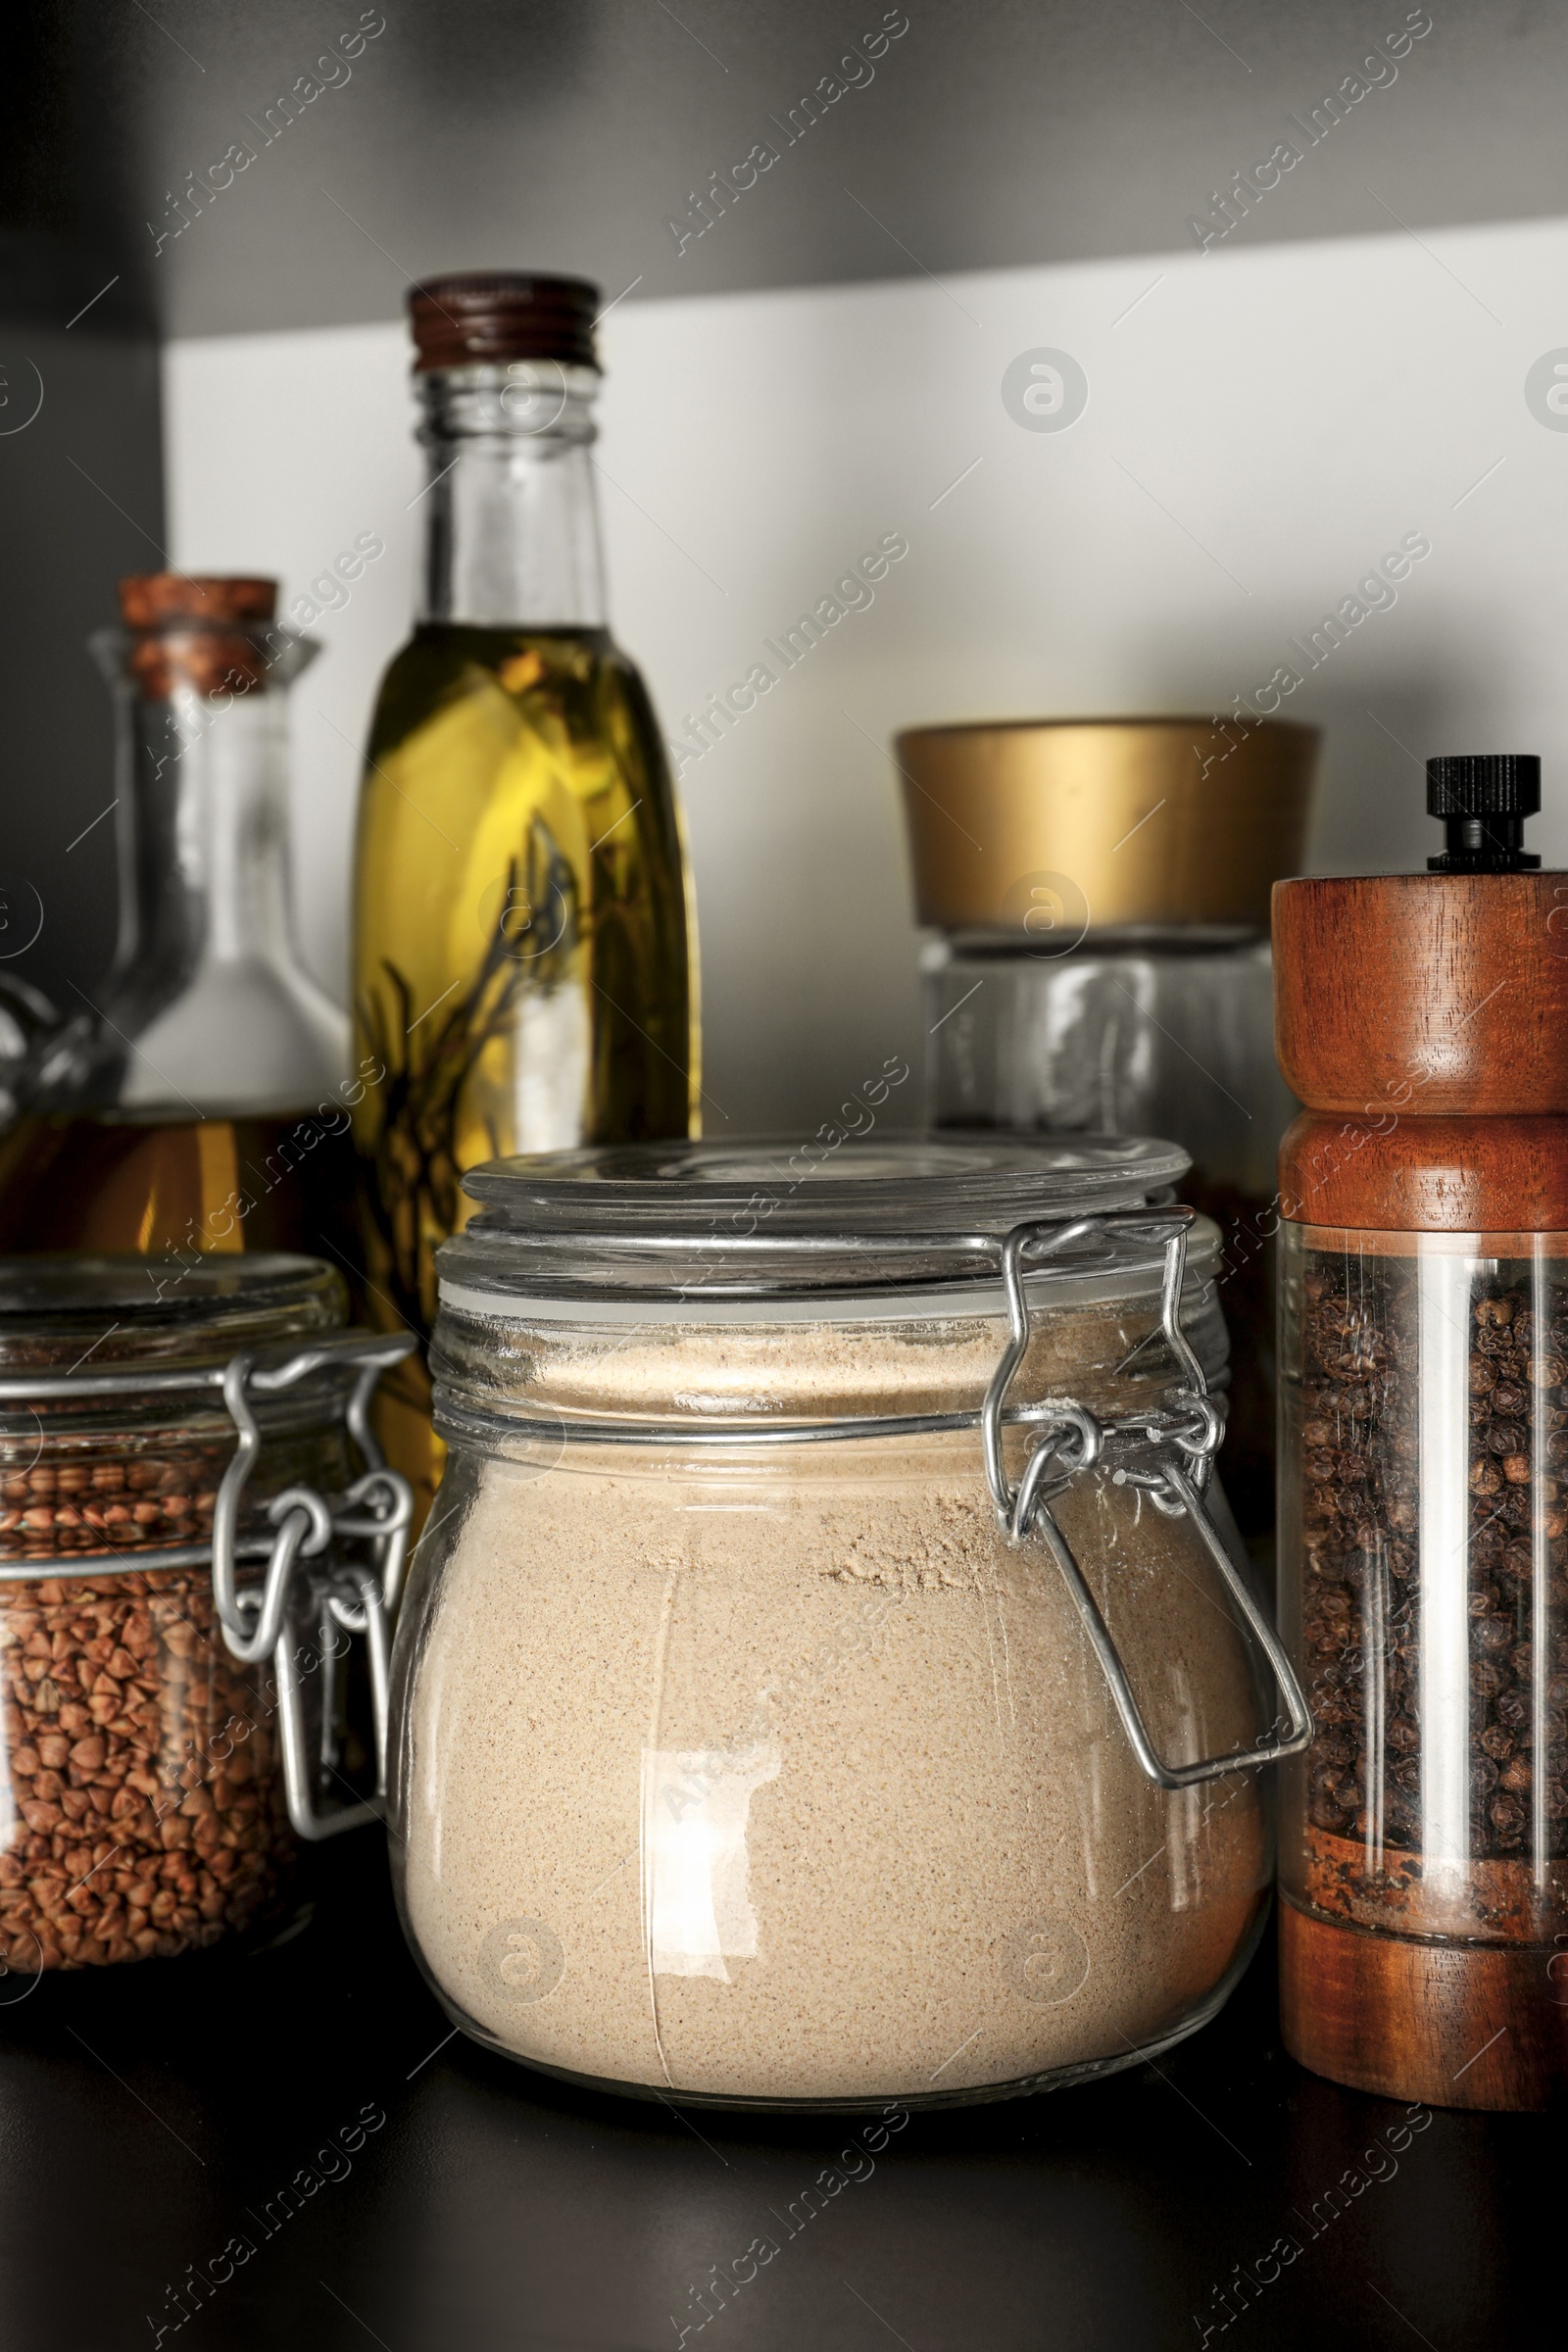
524	952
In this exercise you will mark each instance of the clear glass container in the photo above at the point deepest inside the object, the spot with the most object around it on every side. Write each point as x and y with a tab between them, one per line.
1423	1537
142	1811
1148	1030
738	1754
200	1098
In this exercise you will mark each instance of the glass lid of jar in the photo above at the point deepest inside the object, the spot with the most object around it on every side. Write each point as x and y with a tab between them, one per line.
754	1218
59	1312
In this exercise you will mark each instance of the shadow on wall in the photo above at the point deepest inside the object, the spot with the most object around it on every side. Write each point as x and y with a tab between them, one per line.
1380	724
1378	734
81	474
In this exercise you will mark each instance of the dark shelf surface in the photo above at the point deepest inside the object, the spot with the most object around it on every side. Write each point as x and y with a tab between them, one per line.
151	2116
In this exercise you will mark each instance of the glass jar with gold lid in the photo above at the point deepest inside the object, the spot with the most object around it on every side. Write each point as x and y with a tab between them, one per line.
1098	895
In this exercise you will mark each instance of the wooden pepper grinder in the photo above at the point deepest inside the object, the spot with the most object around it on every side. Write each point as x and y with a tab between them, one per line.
1423	1019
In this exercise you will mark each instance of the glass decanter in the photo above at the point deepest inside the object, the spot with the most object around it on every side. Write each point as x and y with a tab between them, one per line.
199	1098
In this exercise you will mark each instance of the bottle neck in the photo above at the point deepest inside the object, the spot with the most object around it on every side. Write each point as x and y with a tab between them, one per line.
202	794
206	878
207	1005
512	527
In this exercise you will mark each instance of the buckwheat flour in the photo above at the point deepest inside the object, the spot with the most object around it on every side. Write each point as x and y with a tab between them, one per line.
787	1778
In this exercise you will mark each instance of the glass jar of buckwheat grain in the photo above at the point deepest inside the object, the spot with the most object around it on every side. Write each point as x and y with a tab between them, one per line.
142	1807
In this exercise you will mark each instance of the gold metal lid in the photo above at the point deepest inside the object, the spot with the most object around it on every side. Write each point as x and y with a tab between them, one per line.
1064	827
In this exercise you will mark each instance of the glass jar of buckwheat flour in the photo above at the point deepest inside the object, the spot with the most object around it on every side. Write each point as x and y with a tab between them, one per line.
825	1678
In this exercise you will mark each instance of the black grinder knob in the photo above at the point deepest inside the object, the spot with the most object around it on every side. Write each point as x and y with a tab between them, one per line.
1483	799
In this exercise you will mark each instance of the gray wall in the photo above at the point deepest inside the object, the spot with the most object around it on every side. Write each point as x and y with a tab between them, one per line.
82	500
567	134
81	474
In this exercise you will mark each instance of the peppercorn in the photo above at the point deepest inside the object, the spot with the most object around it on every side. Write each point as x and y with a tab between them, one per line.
1360	1443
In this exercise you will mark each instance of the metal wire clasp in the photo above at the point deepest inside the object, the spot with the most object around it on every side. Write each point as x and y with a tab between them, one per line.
346	1592
1167	1451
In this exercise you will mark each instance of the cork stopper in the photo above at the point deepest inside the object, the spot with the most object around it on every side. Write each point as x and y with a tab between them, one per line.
492	317
196	631
147	599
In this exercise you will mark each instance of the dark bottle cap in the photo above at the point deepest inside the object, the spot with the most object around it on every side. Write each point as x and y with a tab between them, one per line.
1483	799
491	315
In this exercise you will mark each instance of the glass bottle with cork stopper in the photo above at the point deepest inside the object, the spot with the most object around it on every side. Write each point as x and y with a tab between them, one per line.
199	1100
524	955
1422	1019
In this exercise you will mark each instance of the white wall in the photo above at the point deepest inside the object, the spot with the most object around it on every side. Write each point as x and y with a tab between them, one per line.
1261	429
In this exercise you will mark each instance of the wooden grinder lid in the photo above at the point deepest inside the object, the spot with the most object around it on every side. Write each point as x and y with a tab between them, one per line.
1410	1005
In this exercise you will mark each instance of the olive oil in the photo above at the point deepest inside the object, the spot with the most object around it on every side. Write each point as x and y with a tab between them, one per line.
522	954
161	1186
